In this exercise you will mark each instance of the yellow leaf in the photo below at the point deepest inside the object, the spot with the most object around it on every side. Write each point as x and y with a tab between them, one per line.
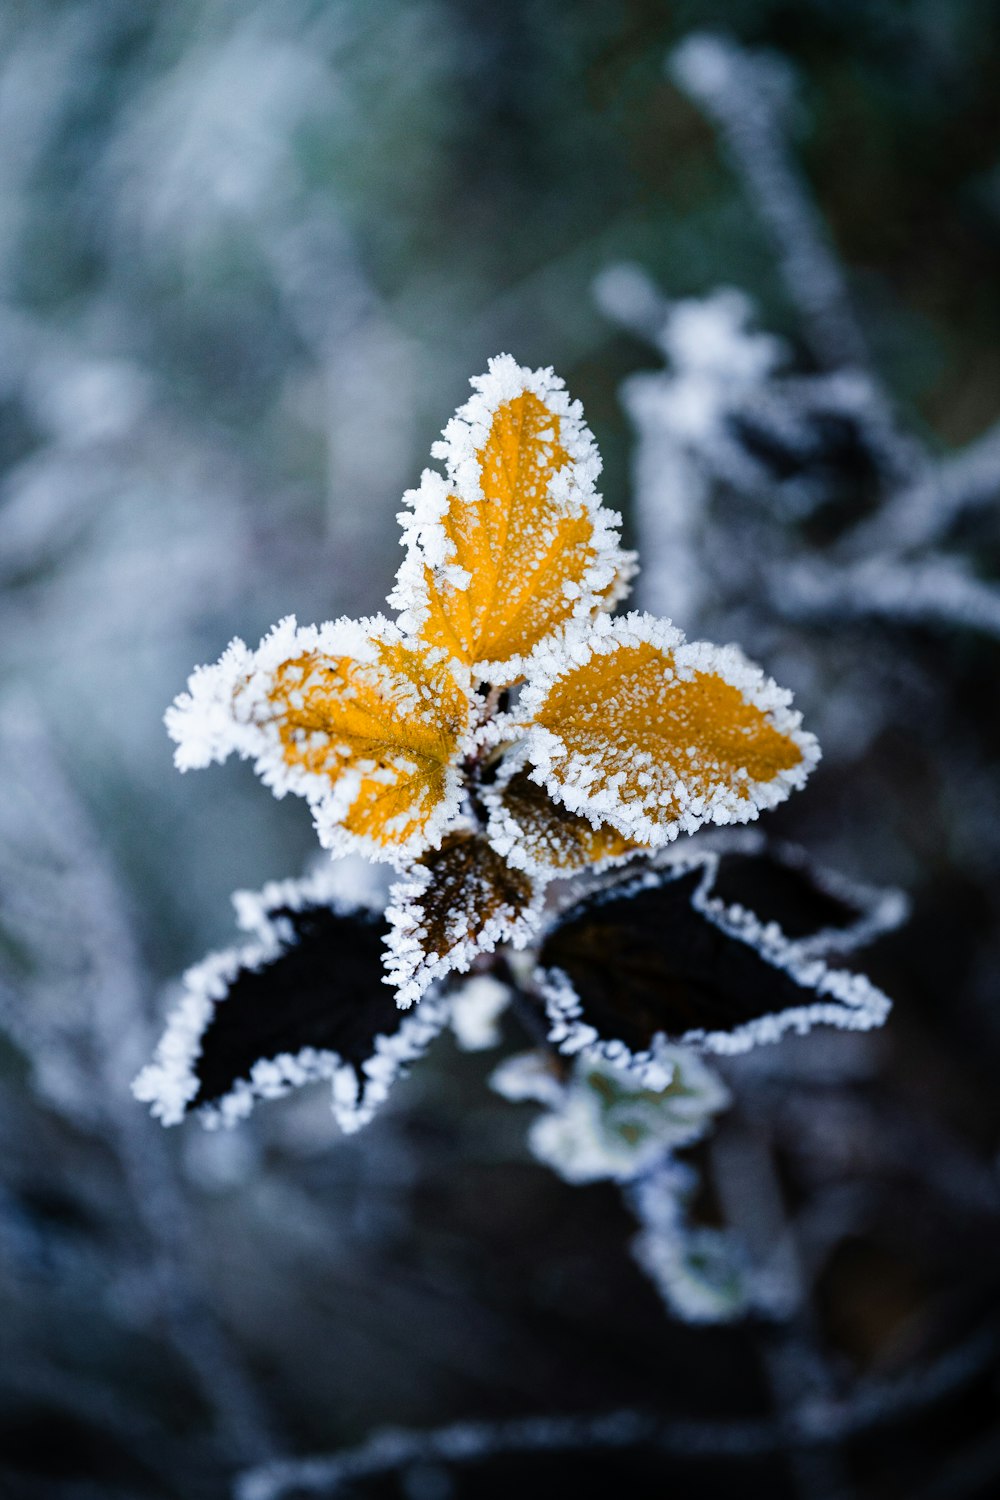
349	715
539	835
458	901
516	542
628	723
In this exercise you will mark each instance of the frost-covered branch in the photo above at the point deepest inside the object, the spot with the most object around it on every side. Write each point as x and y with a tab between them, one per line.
734	455
922	513
470	1442
936	591
746	94
807	1424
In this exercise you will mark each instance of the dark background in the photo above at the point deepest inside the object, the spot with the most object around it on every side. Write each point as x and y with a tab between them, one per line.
250	255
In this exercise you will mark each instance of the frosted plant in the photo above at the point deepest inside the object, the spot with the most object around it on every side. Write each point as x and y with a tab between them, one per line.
601	1123
476	1011
699	1271
742	445
738	448
525	762
714	364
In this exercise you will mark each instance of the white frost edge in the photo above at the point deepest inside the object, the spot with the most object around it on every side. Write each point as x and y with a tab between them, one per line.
169	1083
572	487
526	1077
411	970
344	885
668	1243
578	1137
226	711
880	909
504	833
573	647
847	1000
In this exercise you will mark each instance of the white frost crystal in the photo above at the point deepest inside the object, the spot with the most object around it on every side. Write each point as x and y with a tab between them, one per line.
600	1124
476	1010
698	1271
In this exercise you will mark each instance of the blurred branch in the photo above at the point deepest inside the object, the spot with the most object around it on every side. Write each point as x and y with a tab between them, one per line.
922	513
808	1424
746	94
931	591
743	1169
96	1047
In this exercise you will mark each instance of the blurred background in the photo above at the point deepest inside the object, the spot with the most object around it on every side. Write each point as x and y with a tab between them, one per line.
250	255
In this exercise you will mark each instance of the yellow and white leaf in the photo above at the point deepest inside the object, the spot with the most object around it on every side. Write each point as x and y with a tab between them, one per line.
458	901
628	723
535	833
364	724
514	542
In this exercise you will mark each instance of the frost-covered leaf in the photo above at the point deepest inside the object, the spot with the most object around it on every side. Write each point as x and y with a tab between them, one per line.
455	903
817	909
657	958
701	1273
303	1000
515	541
542	836
350	715
628	723
603	1124
538	1076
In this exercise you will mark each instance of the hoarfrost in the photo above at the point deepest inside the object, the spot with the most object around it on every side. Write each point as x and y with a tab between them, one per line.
360	1079
601	1125
530	551
374	715
829	997
476	1010
606	709
458	903
699	1272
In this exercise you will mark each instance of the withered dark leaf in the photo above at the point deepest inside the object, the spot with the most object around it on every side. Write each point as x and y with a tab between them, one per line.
306	1001
537	834
323	989
777	890
457	902
656	957
819	909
